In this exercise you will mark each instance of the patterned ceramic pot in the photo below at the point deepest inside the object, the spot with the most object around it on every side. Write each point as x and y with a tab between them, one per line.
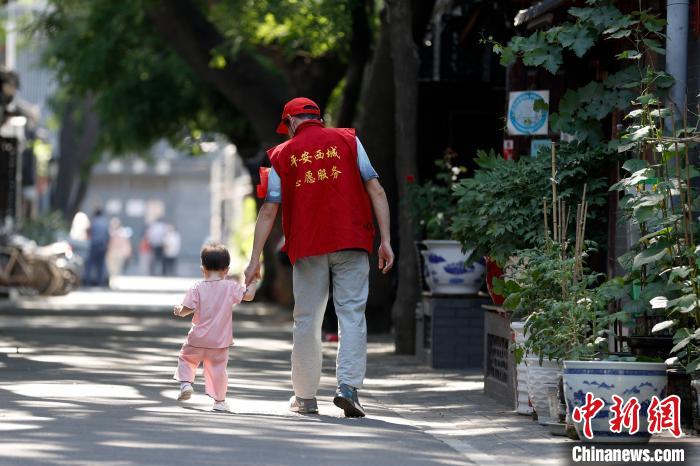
605	379
541	380
522	405
446	271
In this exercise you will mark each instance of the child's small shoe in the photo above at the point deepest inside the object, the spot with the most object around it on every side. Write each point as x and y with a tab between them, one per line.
221	406
186	391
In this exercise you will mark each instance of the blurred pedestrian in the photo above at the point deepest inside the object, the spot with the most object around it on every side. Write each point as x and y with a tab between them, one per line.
155	234
171	251
144	255
119	249
99	236
327	187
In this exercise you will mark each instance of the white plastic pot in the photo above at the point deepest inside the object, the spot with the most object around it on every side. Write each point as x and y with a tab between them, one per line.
522	400
541	380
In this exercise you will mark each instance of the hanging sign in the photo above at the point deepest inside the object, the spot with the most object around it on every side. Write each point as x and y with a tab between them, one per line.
508	149
528	113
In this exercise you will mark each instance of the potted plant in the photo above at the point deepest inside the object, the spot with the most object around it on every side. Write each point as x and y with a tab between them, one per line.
572	330
445	266
545	291
496	207
535	276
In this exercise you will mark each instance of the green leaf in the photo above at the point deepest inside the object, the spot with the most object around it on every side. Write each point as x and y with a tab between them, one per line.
660	232
681	344
218	61
652	23
651	255
581	13
577	38
635	165
508	56
647	99
663	326
629	54
498	285
664	80
511	302
692	366
620	34
680	334
638	134
540	105
634	113
654	45
650	199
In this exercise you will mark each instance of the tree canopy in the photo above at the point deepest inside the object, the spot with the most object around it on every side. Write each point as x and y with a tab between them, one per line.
144	89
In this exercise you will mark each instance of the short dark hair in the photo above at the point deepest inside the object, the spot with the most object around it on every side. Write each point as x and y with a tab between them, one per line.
215	256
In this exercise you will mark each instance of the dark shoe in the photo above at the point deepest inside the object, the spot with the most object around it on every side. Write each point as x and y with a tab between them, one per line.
346	399
303	405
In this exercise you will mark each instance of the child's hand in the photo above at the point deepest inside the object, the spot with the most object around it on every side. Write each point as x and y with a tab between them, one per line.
177	309
250	291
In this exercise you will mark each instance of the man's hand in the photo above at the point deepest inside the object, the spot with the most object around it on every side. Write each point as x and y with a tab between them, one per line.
386	257
252	272
177	310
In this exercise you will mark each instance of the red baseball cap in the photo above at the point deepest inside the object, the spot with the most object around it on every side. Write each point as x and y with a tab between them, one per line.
297	106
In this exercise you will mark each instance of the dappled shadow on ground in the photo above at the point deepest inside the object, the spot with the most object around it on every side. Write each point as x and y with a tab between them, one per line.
86	387
451	404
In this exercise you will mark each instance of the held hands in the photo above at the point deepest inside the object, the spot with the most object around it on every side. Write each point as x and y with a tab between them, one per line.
252	272
386	257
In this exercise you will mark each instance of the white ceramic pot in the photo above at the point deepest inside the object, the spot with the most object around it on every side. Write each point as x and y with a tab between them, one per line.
446	271
605	379
522	400
541	381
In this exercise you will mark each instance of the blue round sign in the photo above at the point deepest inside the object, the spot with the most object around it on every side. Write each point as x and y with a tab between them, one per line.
523	116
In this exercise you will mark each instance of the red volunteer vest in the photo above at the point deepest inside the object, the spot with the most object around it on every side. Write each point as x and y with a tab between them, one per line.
325	207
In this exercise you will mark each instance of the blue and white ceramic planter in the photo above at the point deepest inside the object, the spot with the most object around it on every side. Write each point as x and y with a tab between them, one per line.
445	269
605	379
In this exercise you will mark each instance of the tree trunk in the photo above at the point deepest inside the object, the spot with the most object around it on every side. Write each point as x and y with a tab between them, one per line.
360	48
253	89
376	131
405	62
77	143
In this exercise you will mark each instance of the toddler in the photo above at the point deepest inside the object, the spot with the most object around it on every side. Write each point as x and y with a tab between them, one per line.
211	300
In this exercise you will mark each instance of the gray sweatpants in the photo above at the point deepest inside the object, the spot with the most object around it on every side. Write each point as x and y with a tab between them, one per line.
349	273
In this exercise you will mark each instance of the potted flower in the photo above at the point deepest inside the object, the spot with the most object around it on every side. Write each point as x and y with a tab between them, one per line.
445	266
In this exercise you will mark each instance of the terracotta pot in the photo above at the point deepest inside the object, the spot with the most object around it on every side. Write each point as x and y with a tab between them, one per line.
493	271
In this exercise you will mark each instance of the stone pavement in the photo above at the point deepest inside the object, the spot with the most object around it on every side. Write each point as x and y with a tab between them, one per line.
86	379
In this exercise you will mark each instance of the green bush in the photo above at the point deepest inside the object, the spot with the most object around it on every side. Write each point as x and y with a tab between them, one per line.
44	229
500	209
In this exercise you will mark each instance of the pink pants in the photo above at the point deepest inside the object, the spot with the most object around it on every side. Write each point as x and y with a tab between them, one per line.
215	375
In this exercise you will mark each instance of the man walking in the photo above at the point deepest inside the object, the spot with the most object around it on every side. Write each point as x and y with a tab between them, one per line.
327	187
99	235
